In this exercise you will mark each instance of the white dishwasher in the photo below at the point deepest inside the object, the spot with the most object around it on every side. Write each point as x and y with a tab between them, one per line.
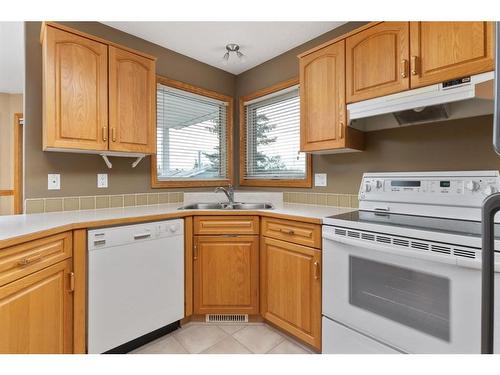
135	284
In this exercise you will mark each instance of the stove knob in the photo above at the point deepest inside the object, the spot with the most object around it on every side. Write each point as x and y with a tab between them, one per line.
378	184
472	186
490	189
368	187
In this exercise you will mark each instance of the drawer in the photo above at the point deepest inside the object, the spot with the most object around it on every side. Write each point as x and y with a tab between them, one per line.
24	259
306	234
226	225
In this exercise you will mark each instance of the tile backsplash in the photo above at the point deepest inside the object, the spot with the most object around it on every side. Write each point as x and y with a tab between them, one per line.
321	199
39	205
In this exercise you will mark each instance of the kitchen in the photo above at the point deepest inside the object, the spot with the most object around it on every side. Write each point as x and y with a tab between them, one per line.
354	223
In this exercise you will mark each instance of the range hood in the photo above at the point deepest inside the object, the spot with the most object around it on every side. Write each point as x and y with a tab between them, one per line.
465	97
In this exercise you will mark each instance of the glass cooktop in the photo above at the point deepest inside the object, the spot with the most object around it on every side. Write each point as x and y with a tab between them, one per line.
451	226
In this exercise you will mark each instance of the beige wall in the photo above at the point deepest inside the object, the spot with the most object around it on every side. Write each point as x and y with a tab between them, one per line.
454	145
9	105
78	171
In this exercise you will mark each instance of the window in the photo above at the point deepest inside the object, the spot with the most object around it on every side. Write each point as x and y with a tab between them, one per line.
193	136
270	142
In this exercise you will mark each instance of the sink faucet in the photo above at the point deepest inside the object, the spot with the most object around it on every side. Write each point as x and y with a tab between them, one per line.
229	193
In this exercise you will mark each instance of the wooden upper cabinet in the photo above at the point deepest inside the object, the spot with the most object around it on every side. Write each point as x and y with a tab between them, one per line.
132	102
36	312
323	125
75	81
442	51
84	79
377	61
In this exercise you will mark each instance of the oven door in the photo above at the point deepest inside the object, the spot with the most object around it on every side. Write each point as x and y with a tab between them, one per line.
417	303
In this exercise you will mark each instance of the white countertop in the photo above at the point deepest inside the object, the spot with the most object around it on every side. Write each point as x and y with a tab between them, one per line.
19	225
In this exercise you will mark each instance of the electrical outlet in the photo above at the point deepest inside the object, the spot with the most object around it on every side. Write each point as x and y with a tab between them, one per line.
320	179
54	181
102	180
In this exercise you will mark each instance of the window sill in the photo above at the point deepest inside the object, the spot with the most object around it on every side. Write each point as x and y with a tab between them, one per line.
306	183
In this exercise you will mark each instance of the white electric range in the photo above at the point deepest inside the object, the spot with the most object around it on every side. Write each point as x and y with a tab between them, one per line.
403	273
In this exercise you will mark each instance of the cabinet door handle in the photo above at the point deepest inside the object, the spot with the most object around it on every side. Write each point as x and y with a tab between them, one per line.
195	252
113	134
71	281
287	231
414	65
104	133
29	260
341	126
404	68
316	270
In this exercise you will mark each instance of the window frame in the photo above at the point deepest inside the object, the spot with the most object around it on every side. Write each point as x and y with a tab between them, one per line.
159	184
305	182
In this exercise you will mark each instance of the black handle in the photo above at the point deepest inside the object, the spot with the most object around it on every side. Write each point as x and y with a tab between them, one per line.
491	206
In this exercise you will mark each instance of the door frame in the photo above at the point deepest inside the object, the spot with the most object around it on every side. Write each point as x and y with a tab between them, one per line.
18	162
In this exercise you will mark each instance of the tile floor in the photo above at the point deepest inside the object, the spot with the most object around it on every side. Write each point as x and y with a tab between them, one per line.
204	338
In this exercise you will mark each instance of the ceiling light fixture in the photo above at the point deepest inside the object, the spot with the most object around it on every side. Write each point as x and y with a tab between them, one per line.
233	48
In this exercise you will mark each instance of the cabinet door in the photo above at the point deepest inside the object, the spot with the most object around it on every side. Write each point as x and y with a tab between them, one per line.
226	274
291	288
442	51
132	102
75	91
36	312
322	99
377	61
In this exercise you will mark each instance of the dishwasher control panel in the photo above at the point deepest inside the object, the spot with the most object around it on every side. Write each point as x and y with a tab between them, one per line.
115	236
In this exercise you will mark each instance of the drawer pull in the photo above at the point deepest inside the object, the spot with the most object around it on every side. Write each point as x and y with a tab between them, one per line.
29	260
141	236
316	270
287	231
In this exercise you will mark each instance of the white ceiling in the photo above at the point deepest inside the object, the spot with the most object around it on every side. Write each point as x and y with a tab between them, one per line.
206	41
11	57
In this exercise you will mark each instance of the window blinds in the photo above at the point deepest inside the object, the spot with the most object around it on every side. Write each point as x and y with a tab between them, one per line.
191	136
273	137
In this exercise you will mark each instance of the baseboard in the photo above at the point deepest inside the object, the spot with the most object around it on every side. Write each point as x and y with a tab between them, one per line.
140	341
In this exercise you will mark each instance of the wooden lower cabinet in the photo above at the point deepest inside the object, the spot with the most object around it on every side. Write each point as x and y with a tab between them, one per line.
36	312
226	274
290	282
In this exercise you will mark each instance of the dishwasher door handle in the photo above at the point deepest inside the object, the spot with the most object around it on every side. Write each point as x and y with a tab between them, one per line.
142	236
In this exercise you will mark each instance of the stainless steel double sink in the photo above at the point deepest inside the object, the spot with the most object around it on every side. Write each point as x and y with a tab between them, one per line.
227	206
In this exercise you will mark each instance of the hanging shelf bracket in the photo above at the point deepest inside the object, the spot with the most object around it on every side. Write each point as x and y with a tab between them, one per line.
138	158
137	161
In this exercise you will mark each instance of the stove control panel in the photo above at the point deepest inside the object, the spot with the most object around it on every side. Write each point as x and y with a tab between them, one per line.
453	188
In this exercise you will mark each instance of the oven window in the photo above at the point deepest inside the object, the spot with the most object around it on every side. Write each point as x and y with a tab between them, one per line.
415	299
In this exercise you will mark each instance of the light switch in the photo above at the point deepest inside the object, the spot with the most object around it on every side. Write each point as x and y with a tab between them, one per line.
320	179
102	180
53	181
